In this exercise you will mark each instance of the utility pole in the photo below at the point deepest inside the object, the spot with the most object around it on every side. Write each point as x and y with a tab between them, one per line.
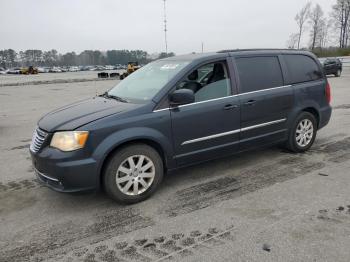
202	47
165	29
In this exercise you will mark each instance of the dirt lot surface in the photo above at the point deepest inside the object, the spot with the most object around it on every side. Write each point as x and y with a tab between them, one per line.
52	78
266	205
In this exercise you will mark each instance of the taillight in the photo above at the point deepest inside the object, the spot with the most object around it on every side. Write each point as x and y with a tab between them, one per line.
328	93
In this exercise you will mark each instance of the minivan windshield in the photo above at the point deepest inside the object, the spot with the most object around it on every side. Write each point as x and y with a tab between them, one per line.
145	83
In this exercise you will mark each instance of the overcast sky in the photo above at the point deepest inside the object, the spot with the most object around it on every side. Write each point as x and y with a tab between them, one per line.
76	25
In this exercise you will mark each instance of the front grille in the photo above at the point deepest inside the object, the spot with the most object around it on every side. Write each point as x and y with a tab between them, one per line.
38	139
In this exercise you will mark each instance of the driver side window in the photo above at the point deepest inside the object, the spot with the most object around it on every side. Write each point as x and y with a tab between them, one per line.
207	82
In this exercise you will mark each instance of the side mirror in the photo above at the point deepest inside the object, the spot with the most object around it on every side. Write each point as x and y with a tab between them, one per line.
181	97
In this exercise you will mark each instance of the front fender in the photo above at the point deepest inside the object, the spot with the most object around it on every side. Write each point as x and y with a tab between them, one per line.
118	138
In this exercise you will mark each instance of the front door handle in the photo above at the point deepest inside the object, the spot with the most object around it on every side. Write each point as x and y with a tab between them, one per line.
229	107
250	103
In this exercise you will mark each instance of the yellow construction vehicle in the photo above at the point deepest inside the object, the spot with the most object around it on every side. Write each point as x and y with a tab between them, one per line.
29	71
132	67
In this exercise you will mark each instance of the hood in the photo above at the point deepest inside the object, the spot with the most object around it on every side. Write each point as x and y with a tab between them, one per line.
80	113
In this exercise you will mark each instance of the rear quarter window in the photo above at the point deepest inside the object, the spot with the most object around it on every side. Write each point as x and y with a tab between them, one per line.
258	73
302	68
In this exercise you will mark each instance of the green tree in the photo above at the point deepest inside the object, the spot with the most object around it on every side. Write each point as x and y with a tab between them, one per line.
8	58
165	55
69	59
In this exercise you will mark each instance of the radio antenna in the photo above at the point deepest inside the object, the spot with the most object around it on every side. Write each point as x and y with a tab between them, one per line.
165	28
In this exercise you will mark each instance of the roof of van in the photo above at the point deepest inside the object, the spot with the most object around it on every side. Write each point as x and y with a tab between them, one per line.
233	52
258	50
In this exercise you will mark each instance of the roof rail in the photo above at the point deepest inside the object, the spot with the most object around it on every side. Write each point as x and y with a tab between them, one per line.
256	49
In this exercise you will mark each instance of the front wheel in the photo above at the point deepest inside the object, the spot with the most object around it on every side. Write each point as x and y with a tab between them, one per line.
303	133
133	173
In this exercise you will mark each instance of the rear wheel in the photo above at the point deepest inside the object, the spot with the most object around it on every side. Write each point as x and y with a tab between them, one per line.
133	173
303	133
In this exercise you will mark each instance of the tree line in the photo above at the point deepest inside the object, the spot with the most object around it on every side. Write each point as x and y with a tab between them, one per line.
323	29
11	58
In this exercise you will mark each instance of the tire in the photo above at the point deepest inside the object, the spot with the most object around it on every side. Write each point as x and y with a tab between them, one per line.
147	175
297	133
338	73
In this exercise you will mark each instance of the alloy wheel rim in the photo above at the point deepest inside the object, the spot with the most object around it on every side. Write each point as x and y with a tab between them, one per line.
135	175
304	132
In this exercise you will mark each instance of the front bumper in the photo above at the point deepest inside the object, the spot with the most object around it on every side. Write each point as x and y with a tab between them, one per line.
65	171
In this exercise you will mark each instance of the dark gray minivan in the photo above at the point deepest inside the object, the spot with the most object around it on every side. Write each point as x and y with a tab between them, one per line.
180	111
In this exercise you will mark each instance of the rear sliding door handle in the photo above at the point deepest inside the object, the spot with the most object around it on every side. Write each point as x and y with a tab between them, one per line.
250	103
229	107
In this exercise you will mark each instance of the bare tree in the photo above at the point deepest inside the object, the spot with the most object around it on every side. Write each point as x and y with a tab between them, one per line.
347	39
316	21
340	14
301	18
293	41
324	33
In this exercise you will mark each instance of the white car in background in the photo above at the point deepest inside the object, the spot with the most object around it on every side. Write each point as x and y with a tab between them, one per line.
55	69
73	69
43	70
109	67
14	71
2	71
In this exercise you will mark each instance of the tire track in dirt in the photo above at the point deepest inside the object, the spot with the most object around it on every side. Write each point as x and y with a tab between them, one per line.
19	185
26	146
335	215
335	151
52	241
344	106
157	248
224	188
208	193
181	244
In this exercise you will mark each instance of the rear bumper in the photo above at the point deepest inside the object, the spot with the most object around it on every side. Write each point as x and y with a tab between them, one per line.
325	116
62	172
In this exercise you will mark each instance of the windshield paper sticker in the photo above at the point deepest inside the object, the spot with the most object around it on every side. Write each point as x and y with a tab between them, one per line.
169	66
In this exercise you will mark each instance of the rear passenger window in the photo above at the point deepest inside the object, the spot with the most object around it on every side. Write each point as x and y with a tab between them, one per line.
302	68
258	73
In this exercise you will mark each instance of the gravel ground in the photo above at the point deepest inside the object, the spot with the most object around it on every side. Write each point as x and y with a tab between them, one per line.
51	78
266	205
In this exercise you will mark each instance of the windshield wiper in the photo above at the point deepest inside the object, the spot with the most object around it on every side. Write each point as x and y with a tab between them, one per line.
118	98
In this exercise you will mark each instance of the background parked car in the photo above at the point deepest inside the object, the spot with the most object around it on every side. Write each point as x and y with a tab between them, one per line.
100	68
43	70
55	70
86	68
73	69
118	67
109	67
2	71
333	66
14	71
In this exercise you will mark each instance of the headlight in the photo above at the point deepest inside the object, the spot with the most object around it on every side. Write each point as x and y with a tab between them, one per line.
69	140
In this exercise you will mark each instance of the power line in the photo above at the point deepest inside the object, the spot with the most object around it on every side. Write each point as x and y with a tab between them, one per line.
165	28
